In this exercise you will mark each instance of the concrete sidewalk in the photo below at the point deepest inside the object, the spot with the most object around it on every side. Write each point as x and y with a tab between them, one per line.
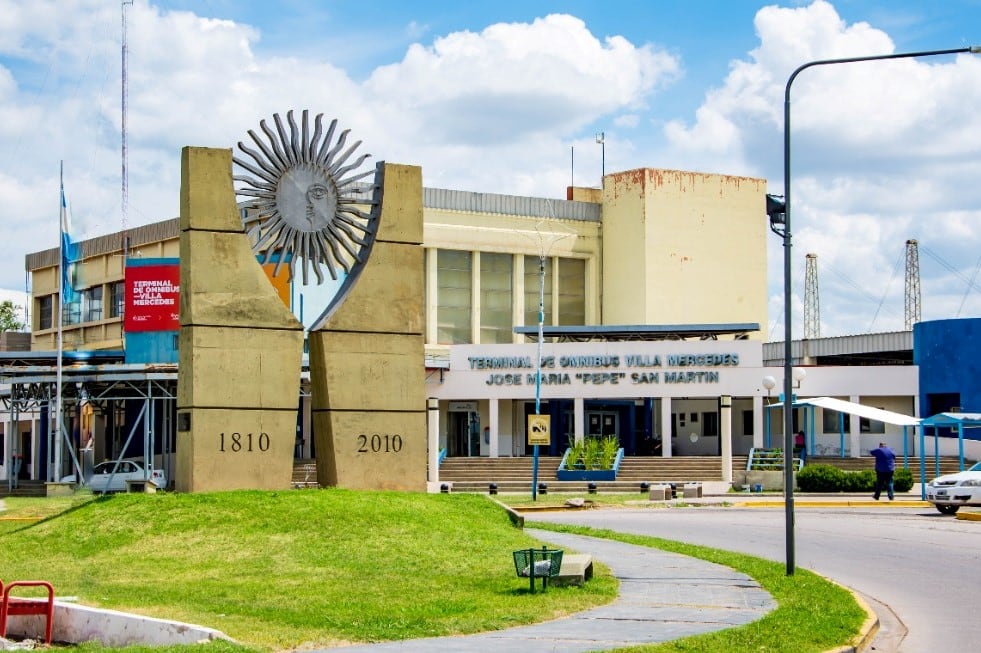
663	596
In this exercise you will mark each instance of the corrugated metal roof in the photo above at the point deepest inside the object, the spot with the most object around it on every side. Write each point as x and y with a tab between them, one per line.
842	345
538	207
110	243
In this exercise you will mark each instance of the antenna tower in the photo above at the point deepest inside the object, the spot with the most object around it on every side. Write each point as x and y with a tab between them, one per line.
124	201
812	302
912	284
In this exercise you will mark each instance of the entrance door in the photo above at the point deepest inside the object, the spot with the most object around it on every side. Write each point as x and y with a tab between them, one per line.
463	434
25	451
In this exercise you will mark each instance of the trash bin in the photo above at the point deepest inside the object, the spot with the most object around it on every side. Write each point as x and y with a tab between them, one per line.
541	563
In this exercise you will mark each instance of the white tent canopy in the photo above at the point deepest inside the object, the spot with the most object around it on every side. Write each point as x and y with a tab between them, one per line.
869	412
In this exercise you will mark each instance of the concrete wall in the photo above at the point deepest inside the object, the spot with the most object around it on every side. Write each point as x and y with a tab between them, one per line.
691	248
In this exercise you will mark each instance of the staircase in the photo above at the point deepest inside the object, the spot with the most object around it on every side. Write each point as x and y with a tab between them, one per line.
515	474
948	464
24	489
304	474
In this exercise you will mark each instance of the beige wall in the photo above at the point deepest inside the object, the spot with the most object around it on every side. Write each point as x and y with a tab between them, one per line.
684	248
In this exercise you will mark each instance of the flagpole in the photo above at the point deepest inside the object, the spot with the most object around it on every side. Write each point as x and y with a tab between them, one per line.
56	440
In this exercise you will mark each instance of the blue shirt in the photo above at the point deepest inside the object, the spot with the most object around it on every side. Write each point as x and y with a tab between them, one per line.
885	459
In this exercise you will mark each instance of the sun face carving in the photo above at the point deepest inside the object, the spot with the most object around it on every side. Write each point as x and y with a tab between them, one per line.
306	198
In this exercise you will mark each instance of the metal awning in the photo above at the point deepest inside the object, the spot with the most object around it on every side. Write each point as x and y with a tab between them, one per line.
620	332
861	410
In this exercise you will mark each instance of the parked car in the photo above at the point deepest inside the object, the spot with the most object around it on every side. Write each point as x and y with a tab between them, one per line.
111	476
950	492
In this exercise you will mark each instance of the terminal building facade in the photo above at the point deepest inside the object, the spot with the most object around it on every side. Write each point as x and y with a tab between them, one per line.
653	298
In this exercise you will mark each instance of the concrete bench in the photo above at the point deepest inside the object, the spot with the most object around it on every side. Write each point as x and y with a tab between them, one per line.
576	569
692	490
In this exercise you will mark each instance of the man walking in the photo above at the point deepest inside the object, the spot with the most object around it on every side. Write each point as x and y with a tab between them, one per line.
885	467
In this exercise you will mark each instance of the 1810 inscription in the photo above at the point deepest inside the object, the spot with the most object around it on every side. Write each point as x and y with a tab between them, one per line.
247	442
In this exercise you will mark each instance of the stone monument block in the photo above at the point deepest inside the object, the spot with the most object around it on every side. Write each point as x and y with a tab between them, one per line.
367	362
240	347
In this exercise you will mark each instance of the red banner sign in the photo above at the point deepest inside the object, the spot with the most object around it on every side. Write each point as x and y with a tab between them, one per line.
152	297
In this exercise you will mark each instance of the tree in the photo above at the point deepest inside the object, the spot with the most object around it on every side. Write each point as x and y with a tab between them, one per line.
8	317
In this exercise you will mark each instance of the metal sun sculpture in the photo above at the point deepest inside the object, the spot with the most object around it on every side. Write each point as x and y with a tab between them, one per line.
305	198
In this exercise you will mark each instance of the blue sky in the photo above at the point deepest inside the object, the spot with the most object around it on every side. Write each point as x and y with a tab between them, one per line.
495	96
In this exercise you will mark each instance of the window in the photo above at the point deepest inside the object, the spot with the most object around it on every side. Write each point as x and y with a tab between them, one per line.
831	424
453	292
710	424
72	312
495	298
533	283
45	312
747	422
572	291
92	299
117	299
867	425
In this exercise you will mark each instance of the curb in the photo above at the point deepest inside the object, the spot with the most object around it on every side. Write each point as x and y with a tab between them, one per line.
868	631
969	516
835	504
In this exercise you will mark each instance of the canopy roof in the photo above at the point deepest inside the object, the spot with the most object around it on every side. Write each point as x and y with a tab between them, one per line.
953	419
861	410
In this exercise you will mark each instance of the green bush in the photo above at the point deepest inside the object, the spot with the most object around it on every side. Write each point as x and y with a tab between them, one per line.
902	481
828	478
820	478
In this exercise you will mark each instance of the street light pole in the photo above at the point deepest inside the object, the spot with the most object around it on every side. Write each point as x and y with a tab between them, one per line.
788	388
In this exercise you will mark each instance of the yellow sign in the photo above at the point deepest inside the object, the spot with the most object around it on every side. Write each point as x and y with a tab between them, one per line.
539	427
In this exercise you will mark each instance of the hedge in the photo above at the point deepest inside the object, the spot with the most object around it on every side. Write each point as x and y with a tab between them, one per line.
828	478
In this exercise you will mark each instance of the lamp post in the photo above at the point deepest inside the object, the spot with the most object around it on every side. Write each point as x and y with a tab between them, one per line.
775	221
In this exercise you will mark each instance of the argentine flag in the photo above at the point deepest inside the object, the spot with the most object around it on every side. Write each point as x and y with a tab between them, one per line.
70	255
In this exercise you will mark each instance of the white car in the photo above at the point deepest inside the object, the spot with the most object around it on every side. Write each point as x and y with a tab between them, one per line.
950	492
111	476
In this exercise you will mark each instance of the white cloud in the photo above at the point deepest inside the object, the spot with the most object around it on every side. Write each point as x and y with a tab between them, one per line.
881	152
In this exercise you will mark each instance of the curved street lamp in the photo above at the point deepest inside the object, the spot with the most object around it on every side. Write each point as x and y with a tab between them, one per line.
775	222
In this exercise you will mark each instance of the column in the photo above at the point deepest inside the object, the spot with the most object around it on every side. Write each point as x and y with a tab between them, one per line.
855	423
666	427
579	418
432	427
493	418
758	422
725	405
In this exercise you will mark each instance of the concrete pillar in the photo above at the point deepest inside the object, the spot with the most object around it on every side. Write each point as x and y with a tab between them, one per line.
432	427
666	427
759	421
725	418
855	441
579	418
493	419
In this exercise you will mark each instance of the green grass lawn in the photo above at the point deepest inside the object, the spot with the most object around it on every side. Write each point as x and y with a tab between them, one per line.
292	569
315	568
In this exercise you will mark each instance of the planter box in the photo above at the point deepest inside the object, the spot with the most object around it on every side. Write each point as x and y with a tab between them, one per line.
586	474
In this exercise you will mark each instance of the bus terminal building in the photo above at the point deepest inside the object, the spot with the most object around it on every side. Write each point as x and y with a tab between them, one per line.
653	293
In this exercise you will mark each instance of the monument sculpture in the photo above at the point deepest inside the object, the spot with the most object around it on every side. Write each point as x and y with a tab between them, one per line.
310	210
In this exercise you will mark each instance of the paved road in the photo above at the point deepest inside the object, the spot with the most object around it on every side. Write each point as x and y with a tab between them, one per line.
923	566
